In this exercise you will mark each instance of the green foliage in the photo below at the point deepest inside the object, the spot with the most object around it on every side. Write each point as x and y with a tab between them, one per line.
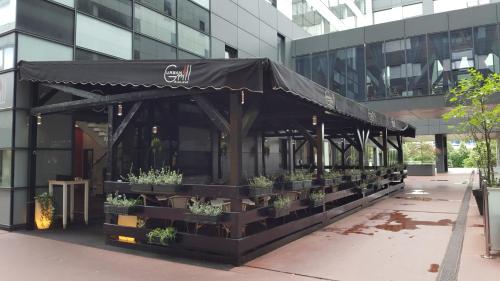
205	209
352	172
333	174
260	182
153	176
457	156
475	113
164	235
317	196
299	175
46	202
419	152
121	200
282	202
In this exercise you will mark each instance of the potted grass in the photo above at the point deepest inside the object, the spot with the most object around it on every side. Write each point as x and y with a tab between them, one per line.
204	213
166	181
280	207
140	182
317	198
161	236
331	178
120	204
351	175
260	186
298	180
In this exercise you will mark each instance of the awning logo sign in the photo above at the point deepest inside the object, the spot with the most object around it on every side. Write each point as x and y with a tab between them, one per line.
174	74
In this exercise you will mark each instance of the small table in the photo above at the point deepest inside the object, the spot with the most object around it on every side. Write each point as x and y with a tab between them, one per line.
71	184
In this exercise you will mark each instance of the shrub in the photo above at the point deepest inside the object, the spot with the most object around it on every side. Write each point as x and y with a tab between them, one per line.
164	235
121	200
260	182
205	209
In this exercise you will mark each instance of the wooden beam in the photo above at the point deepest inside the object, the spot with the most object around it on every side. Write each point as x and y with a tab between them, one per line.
123	125
235	139
47	96
112	99
73	91
392	144
250	117
385	150
297	148
110	161
334	144
303	131
375	141
213	114
320	147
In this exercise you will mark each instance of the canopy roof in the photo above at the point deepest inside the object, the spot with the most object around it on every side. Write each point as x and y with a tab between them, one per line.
253	75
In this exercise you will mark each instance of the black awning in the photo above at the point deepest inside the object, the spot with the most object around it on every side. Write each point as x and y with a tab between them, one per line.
217	74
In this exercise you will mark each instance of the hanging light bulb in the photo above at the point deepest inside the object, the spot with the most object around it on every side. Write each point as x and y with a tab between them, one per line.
242	97
120	109
155	130
315	120
39	119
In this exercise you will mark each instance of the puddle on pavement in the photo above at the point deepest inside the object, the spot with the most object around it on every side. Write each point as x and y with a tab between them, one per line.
418	192
433	268
394	222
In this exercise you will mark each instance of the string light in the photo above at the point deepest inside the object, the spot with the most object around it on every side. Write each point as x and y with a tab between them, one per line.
39	119
120	109
315	120
155	130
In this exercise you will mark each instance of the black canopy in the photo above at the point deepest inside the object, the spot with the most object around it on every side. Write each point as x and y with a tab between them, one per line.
218	74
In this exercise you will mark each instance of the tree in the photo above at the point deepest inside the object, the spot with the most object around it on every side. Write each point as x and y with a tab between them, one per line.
475	114
458	156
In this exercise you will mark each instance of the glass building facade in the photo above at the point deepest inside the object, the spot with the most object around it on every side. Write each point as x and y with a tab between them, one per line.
421	65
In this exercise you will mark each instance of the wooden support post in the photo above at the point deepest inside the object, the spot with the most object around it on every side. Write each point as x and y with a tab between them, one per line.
214	137
290	155
263	154
385	149
235	140
259	160
32	136
399	139
320	149
110	163
343	153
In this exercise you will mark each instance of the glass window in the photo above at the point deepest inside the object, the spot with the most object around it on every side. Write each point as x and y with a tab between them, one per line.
416	66
166	6
387	15
486	49
355	58
193	16
186	56
303	66
148	49
102	37
7	46
154	24
6	128
281	48
55	131
412	10
86	55
375	71
193	41
44	51
337	62
115	11
461	52
22	121
6	90
395	68
439	62
320	68
7	15
203	3
50	163
70	3
46	19
21	168
5	167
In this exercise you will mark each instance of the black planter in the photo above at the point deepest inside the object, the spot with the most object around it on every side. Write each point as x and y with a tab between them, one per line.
202	219
326	182
120	210
294	185
351	178
166	188
478	195
307	183
158	242
259	191
316	204
278	213
140	187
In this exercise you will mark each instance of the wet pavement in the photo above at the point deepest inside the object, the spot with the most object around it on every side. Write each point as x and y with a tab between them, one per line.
402	238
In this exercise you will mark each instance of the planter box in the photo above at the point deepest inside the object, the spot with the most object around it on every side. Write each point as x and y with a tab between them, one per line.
156	241
294	185
351	178
328	182
315	204
307	184
140	187
202	219
166	188
278	213
120	210
478	195
259	191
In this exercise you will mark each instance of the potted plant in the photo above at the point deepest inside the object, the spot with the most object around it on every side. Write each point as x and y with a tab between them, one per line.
161	236
166	181
260	186
330	178
298	180
280	207
363	188
369	175
351	175
44	210
140	182
120	204
204	213
317	198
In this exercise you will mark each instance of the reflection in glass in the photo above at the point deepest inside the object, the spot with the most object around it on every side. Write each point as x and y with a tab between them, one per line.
44	51
6	90
193	16
416	66
6	128
193	41
145	49
439	62
115	11
320	68
395	68
303	66
166	6
461	52
338	71
355	58
7	45
375	71
86	55
7	15
486	49
154	24
5	167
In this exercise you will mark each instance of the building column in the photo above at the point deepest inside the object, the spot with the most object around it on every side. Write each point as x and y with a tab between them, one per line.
441	153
